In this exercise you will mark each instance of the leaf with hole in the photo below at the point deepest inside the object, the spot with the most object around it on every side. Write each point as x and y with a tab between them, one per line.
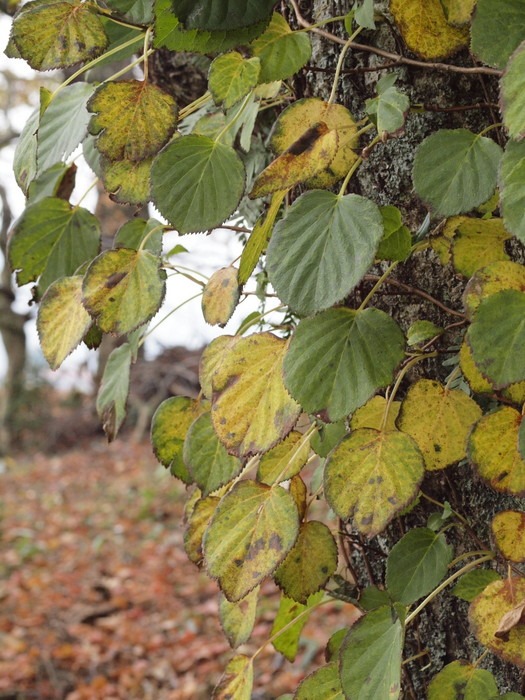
281	51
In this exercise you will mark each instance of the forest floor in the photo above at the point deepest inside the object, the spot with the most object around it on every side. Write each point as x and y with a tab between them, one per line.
97	596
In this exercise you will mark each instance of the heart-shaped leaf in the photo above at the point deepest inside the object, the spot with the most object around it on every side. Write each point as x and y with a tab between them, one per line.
281	51
460	681
231	77
497	30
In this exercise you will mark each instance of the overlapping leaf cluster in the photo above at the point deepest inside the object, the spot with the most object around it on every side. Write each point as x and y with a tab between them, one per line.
276	404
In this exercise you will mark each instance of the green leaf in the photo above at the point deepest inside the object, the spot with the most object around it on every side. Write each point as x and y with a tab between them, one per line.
62	321
417	563
285	460
322	248
132	118
287	643
24	164
221	14
113	392
421	331
340	357
370	659
512	91
364	14
135	232
389	109
371	475
497	336
231	77
136	11
473	583
237	619
197	520
282	52
220	296
206	458
309	564
236	683
328	435
52	239
497	30
63	125
462	681
322	684
373	597
197	183
68	33
127	181
512	184
53	182
252	531
123	289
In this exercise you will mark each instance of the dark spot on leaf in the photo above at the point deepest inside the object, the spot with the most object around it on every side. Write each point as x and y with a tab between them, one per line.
324	569
308	139
255	548
114	279
238	562
275	542
437	448
502	476
392	500
367	520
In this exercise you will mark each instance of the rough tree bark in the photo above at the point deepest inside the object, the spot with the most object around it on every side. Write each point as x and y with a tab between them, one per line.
385	177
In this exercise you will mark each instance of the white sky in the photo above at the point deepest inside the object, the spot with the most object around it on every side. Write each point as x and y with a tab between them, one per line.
206	253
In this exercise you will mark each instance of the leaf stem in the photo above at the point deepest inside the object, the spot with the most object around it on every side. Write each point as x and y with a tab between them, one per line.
148	236
349	174
194	106
466	555
378	284
296	449
154	328
247	325
145	53
340	60
489	128
93	184
236	116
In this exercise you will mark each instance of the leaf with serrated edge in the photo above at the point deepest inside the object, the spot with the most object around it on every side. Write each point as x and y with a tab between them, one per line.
340	357
309	564
439	420
285	460
123	289
252	531
236	683
237	619
477	243
323	683
512	184
114	389
512	91
251	408
212	359
281	51
62	320
127	181
196	524
508	528
24	163
220	296
221	14
231	77
68	33
486	612
371	414
473	583
458	12
136	231
422	331
287	643
497	30
320	250
493	451
462	681
493	278
455	170
197	183
389	108
371	475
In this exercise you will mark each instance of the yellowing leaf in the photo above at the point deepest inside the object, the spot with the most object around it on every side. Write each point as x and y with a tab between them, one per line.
62	320
285	460
477	243
123	289
305	114
287	642
220	296
232	76
251	408
425	29
462	681
196	523
486	613
479	384
133	119
508	528
252	531
237	680
212	359
439	420
311	153
493	278
370	476
458	12
237	619
371	414
493	451
127	181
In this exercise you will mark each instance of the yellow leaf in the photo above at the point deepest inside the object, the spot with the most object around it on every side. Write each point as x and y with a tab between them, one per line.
480	385
237	681
425	29
196	523
220	296
212	358
477	243
371	414
508	528
285	460
458	12
491	279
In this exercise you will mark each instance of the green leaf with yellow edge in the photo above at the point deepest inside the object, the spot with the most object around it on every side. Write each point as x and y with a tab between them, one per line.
477	243
455	170
497	337
512	183
508	528
197	183
486	613
309	564
62	320
462	681
212	359
439	420
133	119
281	51
287	643
370	658
197	522
127	181
113	392
220	296
52	239
206	458
340	357
322	684
231	77
252	531
285	460
371	475
458	12
493	451
497	30
425	29
372	413
236	683
252	410
303	115
312	153
221	14
422	331
416	564
255	246
68	33
512	91
321	249
473	583
123	289
237	619
493	278
477	382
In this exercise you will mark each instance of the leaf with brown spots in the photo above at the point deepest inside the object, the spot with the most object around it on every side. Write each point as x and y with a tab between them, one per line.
508	528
